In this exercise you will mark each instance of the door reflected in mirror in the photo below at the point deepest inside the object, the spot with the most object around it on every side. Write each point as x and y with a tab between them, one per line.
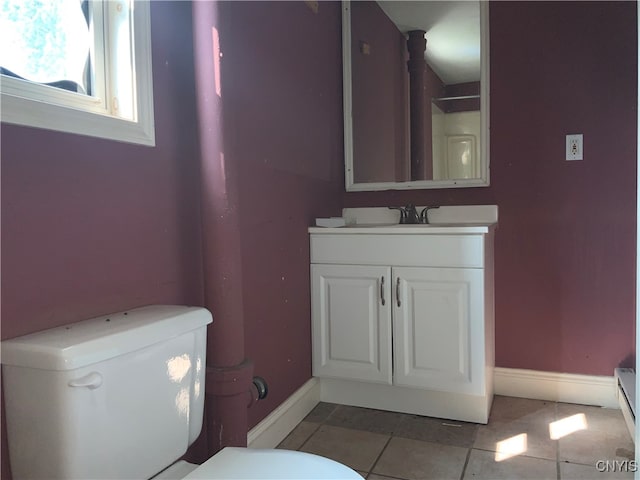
455	141
415	94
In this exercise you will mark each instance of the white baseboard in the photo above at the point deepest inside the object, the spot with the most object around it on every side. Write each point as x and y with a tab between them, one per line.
278	424
556	387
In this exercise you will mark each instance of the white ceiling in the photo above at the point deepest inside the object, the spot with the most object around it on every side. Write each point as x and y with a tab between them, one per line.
453	34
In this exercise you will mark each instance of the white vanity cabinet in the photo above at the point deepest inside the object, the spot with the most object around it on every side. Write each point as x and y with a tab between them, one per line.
402	318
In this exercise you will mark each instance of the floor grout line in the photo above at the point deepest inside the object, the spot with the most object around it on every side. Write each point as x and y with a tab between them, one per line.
309	437
388	476
331	413
379	455
466	462
518	455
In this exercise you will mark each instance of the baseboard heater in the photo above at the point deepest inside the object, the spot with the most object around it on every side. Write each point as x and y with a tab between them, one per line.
626	391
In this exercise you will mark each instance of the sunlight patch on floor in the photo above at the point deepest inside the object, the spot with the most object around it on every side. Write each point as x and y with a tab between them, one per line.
566	426
511	447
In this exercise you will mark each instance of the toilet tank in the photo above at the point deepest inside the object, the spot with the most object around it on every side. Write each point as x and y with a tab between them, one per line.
119	396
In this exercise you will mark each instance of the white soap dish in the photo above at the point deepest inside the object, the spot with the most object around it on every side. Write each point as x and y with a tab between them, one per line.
331	222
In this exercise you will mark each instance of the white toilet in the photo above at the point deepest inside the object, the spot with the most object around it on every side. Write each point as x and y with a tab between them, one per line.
122	397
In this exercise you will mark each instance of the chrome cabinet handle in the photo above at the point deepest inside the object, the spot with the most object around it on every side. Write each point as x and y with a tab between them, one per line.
398	291
382	291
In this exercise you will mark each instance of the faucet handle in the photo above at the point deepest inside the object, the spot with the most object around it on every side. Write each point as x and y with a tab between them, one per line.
424	213
403	214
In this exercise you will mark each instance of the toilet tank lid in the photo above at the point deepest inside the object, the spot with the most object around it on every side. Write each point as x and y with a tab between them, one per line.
90	341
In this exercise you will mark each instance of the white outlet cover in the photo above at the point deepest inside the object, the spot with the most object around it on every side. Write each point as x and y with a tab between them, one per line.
574	147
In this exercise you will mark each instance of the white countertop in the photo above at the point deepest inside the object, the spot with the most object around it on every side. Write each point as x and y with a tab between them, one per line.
445	220
407	229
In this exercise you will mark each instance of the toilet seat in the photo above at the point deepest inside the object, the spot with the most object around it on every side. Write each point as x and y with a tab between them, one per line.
265	464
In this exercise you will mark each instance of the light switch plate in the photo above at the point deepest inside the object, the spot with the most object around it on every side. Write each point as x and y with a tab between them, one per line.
574	148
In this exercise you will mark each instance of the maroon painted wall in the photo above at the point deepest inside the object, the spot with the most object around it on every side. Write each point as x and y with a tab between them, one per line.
380	127
459	90
565	246
282	121
92	226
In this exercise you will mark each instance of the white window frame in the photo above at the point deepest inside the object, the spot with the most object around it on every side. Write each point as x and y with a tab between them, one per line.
42	106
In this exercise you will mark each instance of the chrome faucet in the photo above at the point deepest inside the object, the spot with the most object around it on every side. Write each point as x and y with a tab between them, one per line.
408	214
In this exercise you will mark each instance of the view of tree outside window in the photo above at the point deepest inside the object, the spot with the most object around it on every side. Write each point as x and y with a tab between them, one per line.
45	41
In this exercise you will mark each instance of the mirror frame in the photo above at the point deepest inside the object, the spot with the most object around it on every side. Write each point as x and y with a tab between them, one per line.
483	181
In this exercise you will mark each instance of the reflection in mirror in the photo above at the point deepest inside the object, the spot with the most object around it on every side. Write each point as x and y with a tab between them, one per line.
455	134
415	84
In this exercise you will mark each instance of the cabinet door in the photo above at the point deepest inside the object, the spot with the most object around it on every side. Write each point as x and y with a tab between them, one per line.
438	329
351	318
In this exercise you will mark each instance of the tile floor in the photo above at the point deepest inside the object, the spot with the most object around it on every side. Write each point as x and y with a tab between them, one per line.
516	443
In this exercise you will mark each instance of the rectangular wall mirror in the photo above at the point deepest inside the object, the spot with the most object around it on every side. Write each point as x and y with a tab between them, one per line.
415	113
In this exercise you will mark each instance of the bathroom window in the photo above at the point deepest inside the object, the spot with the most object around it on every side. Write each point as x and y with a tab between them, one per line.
80	66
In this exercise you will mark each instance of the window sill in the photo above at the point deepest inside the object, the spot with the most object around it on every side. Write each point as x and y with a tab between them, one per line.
39	114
